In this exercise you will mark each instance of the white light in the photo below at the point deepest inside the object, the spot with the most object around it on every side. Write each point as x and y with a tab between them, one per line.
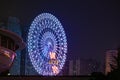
43	27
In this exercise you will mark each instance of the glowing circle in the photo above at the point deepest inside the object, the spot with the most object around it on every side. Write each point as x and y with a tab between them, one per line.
47	44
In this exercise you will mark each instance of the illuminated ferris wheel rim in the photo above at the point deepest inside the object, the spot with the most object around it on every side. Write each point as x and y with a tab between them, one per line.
47	16
57	36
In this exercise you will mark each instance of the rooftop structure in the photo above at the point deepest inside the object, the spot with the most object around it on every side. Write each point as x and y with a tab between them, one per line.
9	43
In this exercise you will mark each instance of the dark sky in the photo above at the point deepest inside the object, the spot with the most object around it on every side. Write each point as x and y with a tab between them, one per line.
91	27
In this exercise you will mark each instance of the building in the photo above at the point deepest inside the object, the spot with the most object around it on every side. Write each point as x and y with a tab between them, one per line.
88	66
77	67
27	67
13	24
83	67
22	64
71	70
9	43
110	60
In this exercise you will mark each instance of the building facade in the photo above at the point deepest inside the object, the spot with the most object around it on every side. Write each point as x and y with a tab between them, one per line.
27	67
83	67
110	60
9	43
13	24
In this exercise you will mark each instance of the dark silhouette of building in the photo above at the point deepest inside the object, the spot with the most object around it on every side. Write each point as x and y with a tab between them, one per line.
81	67
110	60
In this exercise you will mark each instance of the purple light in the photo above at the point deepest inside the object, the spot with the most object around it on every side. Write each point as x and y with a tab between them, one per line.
46	35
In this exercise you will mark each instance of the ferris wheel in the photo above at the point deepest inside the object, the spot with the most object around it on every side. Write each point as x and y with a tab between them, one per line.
47	44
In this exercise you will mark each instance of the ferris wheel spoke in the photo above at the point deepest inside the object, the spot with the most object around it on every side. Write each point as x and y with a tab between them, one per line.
47	44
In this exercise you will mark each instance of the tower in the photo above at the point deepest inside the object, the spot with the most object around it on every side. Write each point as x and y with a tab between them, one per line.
13	25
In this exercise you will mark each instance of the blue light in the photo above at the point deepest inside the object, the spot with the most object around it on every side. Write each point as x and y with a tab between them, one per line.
46	35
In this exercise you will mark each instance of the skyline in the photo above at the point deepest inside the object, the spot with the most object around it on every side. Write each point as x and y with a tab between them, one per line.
91	27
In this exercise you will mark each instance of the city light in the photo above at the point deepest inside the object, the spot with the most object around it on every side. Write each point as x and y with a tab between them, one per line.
47	44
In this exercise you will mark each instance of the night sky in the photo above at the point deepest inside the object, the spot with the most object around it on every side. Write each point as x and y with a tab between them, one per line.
92	27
